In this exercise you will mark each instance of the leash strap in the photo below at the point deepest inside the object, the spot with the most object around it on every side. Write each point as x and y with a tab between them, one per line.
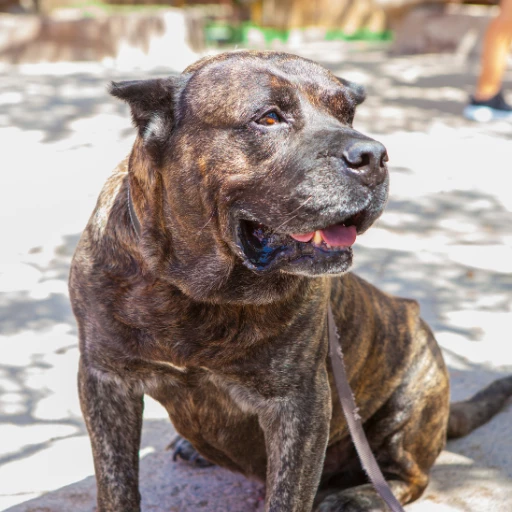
131	211
350	410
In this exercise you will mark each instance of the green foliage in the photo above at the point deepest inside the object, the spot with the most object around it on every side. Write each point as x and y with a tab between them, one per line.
220	33
91	8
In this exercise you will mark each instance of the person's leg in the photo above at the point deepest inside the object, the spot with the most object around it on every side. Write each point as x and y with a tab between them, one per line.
488	102
495	50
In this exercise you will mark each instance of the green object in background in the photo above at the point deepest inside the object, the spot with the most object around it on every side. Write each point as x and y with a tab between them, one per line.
224	33
91	8
362	34
220	33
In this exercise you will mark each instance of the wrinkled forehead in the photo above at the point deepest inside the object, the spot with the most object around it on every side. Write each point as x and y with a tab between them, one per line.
236	88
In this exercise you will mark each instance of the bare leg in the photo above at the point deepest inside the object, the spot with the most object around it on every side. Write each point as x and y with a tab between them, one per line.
495	50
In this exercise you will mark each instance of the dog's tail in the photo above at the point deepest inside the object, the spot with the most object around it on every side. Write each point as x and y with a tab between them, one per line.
467	415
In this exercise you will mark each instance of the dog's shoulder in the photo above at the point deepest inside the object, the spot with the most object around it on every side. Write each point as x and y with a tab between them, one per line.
105	257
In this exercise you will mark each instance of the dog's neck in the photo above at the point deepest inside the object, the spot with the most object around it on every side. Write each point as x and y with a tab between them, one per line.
258	290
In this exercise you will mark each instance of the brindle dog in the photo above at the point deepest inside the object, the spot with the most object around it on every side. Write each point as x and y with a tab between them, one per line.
203	279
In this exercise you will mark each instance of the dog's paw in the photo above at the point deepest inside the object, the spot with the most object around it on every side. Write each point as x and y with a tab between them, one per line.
183	449
351	500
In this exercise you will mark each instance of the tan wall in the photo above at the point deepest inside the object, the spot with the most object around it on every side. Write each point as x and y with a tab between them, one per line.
347	15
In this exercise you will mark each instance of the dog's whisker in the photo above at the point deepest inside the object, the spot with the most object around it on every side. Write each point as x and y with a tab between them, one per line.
207	222
296	209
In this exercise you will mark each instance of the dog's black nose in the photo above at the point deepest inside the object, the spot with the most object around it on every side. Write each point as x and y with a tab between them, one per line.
367	158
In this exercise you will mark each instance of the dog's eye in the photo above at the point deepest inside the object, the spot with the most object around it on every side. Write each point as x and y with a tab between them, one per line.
269	119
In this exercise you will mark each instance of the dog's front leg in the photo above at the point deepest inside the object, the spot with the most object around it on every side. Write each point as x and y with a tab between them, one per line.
296	431
113	415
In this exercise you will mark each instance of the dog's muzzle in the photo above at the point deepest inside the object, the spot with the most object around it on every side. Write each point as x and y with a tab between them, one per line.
347	182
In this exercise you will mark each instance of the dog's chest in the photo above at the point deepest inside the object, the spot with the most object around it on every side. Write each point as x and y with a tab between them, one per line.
173	332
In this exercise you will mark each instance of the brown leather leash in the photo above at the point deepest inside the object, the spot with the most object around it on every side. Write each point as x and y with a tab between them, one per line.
355	426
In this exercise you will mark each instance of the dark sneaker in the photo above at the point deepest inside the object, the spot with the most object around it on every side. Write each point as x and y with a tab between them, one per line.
492	109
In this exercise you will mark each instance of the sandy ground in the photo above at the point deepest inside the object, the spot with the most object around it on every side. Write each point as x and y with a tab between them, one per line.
445	239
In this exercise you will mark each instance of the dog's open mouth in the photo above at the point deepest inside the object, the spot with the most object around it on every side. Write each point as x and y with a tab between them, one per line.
265	248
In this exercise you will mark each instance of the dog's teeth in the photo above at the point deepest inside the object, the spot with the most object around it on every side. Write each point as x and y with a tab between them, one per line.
328	245
317	239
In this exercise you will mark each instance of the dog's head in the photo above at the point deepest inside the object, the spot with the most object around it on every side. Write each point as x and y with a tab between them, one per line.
257	165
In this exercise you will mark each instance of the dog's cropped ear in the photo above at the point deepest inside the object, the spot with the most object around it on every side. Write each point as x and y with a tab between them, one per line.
152	105
356	92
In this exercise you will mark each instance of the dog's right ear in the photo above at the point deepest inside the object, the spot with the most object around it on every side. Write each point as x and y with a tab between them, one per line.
152	106
356	91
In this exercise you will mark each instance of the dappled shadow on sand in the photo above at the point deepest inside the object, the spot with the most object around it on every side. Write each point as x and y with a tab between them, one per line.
51	103
38	366
413	93
403	94
427	272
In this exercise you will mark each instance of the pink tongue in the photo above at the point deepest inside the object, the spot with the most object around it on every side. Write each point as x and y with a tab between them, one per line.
336	236
339	235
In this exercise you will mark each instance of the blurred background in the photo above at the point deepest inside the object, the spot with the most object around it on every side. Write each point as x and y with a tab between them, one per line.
445	238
